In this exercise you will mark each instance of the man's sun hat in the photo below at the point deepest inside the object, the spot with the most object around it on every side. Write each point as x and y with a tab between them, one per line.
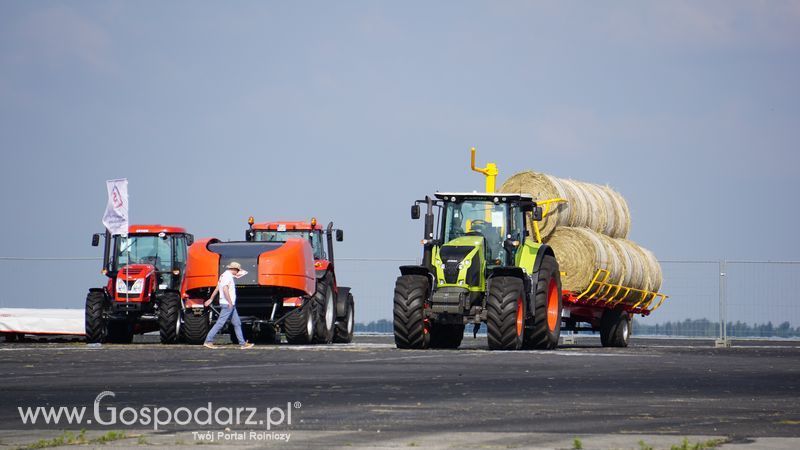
234	265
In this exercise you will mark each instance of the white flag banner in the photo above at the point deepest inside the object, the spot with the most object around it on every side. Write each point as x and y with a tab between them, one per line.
116	216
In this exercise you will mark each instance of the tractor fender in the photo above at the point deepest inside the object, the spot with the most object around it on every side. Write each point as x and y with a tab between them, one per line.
420	270
341	300
104	291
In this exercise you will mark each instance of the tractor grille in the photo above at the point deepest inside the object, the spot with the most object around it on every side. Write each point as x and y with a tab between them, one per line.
451	257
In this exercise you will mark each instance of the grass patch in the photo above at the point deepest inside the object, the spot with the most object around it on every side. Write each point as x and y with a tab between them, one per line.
70	438
577	444
644	446
711	443
789	422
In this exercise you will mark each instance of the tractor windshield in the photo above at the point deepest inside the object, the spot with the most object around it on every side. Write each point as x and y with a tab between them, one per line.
477	218
314	238
154	250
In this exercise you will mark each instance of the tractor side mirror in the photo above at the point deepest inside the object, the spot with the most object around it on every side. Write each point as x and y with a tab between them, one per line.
95	240
189	239
415	212
537	213
339	235
248	235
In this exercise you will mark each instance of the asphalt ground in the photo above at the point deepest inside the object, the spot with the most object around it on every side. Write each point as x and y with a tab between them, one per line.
371	394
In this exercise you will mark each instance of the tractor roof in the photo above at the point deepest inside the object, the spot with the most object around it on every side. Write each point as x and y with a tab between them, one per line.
503	196
154	229
287	226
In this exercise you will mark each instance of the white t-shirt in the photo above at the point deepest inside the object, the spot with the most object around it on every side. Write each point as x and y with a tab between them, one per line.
226	279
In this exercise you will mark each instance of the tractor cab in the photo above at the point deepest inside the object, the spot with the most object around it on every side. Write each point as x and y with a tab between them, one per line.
476	232
149	258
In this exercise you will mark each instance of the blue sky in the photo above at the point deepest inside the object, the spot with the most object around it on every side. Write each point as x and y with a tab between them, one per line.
350	110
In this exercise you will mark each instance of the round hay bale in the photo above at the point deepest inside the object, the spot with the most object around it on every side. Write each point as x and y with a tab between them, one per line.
577	257
639	266
622	220
596	207
541	187
654	272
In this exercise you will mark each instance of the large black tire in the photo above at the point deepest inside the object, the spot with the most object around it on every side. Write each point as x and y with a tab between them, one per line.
169	310
299	325
615	328
446	336
544	326
505	313
410	326
195	328
324	310
343	334
95	324
119	332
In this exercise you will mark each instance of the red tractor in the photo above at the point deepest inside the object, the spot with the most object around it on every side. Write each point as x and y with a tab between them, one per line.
145	269
333	304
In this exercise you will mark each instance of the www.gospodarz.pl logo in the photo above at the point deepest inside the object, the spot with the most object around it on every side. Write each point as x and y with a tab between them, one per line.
157	416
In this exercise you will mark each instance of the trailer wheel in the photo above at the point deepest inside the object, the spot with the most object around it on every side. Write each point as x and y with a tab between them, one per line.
410	327
195	328
505	315
446	336
169	307
545	324
95	324
119	332
324	310
299	324
343	334
615	328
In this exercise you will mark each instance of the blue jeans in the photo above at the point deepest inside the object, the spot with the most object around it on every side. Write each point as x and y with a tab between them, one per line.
227	312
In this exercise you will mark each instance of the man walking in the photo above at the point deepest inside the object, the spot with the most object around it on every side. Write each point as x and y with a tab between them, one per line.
227	302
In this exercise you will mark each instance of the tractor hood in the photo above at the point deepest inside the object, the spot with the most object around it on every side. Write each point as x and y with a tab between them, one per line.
135	271
271	266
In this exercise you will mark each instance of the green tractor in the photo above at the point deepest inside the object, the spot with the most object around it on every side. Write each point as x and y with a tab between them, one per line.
480	265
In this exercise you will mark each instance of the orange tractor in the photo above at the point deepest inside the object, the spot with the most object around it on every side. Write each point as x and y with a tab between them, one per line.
290	286
145	270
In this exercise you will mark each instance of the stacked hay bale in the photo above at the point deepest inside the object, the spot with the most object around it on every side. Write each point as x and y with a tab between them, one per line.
589	232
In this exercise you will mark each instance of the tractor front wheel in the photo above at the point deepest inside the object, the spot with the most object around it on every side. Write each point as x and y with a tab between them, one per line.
96	327
195	327
299	325
169	308
545	324
505	315
343	334
410	327
324	310
615	328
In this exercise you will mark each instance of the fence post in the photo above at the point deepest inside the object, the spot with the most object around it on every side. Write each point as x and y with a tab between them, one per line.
723	341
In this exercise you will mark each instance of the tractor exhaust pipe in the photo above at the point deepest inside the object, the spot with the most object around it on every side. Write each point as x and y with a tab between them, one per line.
427	253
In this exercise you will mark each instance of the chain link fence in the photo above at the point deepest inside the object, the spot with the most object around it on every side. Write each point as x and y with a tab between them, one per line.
718	300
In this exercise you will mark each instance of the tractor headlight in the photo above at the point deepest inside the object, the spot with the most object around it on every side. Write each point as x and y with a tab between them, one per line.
122	286
137	286
442	266
460	266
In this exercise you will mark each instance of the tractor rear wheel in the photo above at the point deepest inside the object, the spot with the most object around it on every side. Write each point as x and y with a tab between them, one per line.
446	336
96	328
119	332
545	324
195	327
324	310
343	334
615	328
410	326
299	324
169	308
505	315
